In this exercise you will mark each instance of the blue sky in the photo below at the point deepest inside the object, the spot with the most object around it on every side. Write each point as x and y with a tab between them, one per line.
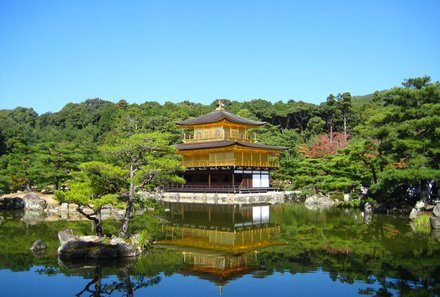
55	52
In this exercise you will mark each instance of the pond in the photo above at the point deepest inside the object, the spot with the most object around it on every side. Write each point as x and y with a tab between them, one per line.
282	250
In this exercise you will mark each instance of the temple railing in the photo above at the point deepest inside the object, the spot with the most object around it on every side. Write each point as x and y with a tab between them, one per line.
213	188
231	162
209	136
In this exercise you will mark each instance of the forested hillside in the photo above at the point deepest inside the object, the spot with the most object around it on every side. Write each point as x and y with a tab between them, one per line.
387	141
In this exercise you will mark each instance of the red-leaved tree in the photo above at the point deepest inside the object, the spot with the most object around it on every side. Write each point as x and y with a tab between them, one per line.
323	146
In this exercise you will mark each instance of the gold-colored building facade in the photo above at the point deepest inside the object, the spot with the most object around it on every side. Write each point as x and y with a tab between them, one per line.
219	151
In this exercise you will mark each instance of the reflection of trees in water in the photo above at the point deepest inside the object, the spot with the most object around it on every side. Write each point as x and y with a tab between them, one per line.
126	284
100	285
404	288
381	251
384	274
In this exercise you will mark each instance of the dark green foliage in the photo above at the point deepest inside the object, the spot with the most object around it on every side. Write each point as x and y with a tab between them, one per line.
390	139
408	137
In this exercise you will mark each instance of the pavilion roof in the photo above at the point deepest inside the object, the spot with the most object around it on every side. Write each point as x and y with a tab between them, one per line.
218	115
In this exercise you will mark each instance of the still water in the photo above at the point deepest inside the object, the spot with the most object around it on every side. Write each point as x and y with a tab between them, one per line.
284	250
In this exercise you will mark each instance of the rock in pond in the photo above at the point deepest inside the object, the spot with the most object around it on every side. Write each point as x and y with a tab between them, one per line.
368	208
12	203
93	247
38	245
435	234
65	236
435	222
436	210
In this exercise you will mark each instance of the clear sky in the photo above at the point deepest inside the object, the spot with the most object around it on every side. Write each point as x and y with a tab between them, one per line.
55	52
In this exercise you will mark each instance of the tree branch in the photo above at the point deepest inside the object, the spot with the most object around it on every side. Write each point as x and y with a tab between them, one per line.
89	216
145	182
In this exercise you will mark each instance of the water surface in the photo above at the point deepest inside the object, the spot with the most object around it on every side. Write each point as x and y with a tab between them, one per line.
285	250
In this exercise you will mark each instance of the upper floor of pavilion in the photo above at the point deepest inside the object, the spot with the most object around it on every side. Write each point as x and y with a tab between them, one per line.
219	125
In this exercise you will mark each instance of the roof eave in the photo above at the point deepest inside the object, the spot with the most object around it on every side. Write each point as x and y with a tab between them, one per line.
186	125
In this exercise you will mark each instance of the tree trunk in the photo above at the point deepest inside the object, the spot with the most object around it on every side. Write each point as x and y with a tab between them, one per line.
129	208
372	168
98	225
127	215
373	171
331	133
288	122
379	151
29	186
57	183
345	130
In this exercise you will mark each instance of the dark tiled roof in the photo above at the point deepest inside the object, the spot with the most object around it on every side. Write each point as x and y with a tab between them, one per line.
263	146
204	145
218	115
224	143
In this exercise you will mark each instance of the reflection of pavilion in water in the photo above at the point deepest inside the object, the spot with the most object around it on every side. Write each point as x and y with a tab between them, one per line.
219	242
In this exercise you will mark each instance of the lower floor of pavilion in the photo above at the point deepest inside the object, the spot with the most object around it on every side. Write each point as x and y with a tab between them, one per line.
225	180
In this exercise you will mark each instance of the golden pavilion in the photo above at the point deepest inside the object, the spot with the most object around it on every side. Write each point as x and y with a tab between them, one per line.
220	154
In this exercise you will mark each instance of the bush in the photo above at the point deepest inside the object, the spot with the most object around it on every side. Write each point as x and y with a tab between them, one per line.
4	185
421	224
357	203
351	204
337	196
354	196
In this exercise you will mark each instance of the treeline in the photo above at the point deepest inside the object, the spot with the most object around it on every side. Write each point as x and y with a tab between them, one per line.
387	141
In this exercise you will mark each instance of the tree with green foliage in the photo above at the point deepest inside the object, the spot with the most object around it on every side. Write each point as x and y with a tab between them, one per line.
364	152
344	104
409	138
94	187
54	162
315	127
298	115
245	113
326	174
263	109
149	160
328	111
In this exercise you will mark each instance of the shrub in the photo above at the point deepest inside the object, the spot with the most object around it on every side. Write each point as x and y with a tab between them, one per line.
337	196
421	224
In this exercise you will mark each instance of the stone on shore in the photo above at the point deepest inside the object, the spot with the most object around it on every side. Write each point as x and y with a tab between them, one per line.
34	202
319	200
413	214
12	203
420	205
